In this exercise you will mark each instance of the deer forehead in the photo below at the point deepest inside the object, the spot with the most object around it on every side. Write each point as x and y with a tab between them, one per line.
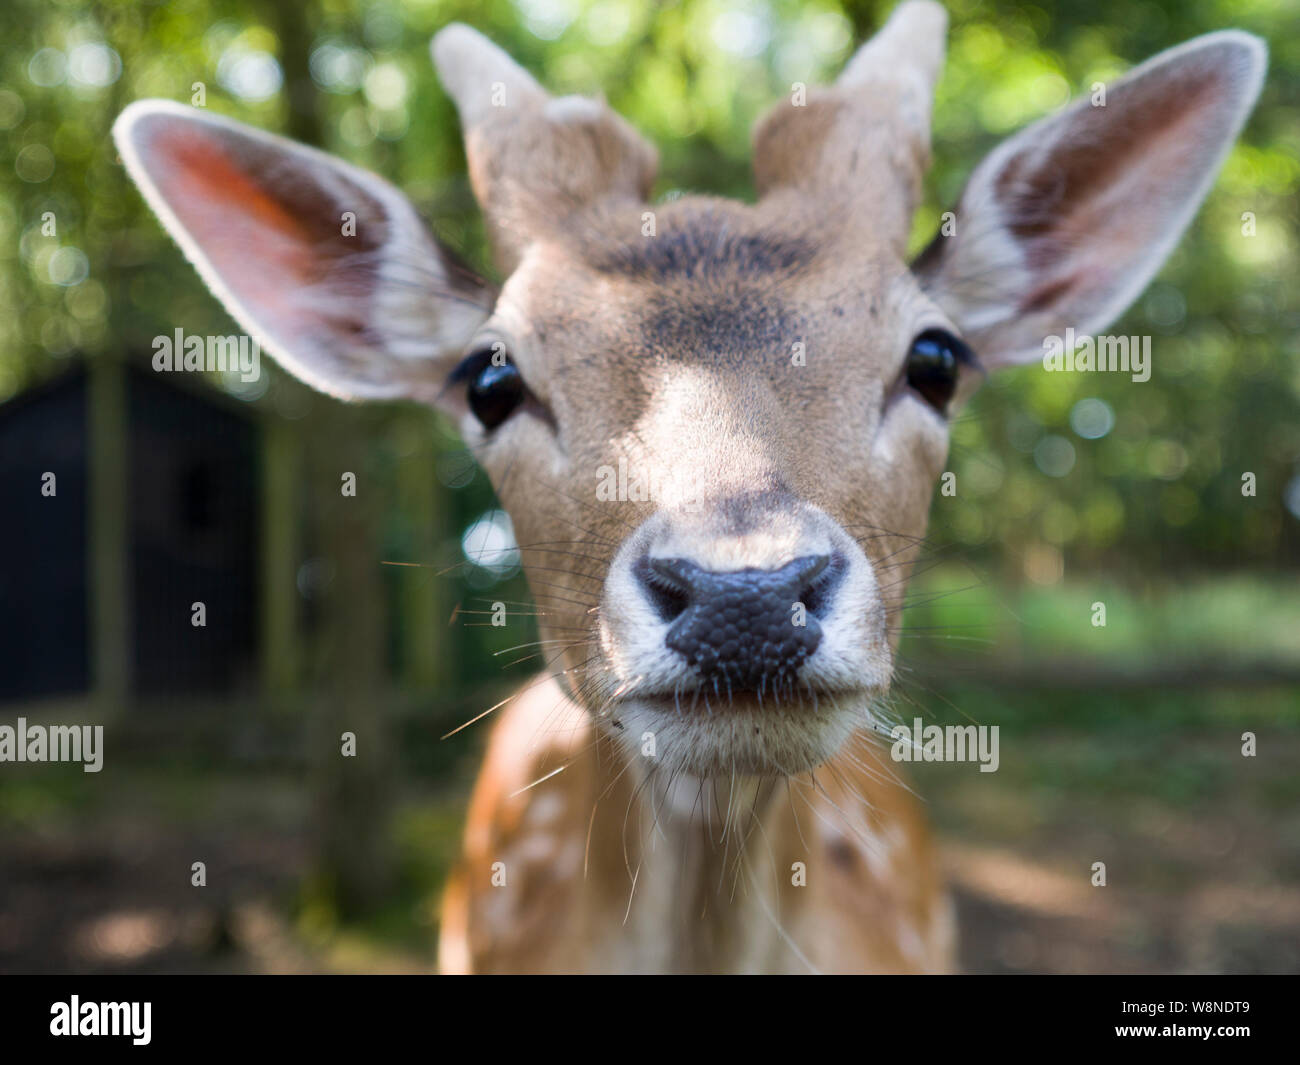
609	317
726	357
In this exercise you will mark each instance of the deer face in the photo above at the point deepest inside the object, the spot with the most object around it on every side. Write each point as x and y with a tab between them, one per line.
693	388
717	427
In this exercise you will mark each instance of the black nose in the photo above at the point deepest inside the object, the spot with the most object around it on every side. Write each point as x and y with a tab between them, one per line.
742	629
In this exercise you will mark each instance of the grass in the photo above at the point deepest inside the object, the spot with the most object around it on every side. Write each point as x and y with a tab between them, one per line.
1242	619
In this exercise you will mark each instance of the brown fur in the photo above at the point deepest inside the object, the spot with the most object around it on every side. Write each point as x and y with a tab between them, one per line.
580	849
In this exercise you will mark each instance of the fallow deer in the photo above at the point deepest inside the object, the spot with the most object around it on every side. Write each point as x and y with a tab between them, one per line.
694	785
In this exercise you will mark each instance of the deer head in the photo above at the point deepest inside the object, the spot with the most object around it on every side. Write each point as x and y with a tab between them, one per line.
769	385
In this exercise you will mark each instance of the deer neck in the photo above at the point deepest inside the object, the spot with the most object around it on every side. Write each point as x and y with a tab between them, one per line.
698	879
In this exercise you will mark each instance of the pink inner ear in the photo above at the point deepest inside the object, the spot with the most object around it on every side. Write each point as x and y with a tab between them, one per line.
264	249
1104	191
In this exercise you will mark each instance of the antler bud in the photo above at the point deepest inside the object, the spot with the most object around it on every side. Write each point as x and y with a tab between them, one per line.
868	136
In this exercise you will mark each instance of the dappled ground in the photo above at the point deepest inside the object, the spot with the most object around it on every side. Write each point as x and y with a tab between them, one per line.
1202	849
100	881
1211	884
1119	744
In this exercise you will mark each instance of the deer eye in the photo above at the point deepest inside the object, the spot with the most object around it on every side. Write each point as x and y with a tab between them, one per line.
933	365
496	388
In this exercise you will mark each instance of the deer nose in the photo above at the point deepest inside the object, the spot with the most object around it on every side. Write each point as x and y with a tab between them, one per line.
747	628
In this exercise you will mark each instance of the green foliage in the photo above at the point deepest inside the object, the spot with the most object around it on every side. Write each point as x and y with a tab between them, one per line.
1162	486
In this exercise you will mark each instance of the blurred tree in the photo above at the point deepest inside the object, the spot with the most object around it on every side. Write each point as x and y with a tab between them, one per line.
1057	472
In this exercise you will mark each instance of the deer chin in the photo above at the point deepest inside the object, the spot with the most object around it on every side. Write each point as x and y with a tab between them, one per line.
712	735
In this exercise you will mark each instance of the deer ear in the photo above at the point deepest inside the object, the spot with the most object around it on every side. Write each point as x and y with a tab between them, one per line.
1064	224
327	266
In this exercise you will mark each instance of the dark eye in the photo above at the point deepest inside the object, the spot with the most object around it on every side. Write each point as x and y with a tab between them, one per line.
496	388
933	364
